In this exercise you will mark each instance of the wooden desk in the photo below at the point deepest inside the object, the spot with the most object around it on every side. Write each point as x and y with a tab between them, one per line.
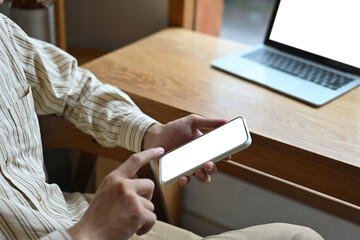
309	154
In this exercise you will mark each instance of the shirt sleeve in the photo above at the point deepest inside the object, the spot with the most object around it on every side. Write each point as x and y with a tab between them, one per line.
63	88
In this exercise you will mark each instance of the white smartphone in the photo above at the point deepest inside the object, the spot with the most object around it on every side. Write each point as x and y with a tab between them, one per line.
215	145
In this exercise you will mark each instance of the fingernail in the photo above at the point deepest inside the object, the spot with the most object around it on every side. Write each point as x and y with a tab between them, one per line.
160	150
183	182
201	174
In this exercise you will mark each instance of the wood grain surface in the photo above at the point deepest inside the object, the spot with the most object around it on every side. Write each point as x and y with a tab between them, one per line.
317	148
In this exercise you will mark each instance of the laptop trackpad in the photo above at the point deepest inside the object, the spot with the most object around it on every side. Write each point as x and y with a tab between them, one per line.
272	78
234	64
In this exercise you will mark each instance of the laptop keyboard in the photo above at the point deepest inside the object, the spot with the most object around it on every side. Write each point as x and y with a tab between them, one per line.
299	69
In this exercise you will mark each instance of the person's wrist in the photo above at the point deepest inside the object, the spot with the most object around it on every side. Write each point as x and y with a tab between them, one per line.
77	234
150	136
84	230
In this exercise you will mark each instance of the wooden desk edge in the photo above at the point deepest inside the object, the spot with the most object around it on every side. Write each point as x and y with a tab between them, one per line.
290	187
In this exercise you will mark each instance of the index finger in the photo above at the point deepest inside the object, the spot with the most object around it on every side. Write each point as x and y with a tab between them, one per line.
199	122
130	167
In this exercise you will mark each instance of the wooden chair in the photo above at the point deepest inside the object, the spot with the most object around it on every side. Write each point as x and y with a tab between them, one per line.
56	132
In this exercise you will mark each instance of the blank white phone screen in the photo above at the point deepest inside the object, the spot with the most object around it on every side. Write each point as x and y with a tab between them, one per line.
205	148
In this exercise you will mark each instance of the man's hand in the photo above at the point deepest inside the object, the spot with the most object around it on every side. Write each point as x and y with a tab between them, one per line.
181	131
121	206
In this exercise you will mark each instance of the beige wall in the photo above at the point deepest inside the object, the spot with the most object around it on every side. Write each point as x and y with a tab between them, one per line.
110	24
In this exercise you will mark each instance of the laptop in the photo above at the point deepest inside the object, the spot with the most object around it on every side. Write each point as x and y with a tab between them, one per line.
311	51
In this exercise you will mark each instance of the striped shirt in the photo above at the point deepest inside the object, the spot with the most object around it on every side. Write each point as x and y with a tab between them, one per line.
38	78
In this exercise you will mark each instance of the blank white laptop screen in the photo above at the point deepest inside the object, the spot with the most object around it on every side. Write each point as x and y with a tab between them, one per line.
322	27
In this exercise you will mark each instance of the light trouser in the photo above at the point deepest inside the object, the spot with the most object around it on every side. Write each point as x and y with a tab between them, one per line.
274	231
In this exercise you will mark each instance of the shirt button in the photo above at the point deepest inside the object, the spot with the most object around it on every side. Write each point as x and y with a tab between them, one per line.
38	197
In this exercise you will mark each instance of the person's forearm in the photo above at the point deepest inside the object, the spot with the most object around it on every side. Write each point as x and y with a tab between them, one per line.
61	87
